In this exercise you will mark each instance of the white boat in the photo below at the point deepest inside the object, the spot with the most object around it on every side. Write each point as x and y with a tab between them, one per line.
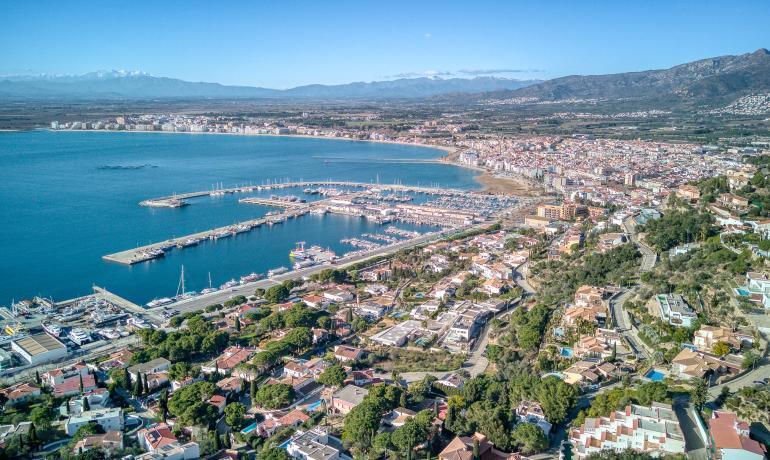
159	302
138	323
228	285
250	278
53	329
209	290
304	264
109	334
276	271
185	295
79	336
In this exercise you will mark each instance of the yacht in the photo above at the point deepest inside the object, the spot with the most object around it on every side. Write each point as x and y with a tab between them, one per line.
53	329
187	243
79	336
209	290
250	278
159	302
228	285
109	334
304	264
138	323
276	271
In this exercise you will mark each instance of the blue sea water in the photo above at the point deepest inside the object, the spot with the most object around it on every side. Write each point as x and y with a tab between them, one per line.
61	211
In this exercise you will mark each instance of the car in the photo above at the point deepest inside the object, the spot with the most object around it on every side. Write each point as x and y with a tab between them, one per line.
760	382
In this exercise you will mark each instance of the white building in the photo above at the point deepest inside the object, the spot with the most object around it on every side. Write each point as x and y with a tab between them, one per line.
108	419
315	444
654	430
39	348
675	310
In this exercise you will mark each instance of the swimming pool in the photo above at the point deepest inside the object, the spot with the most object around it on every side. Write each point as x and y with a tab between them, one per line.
655	375
313	406
566	352
285	444
249	428
742	292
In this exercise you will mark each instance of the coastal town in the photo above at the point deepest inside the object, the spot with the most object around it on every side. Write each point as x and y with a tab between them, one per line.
599	294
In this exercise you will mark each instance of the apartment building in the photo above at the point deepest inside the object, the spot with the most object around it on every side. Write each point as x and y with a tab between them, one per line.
654	430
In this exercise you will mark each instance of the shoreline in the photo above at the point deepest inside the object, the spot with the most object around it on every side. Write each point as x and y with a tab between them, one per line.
485	179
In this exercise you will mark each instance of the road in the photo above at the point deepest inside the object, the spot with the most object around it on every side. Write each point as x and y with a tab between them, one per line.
622	322
201	302
649	256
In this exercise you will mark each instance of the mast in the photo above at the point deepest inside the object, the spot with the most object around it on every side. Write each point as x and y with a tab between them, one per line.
180	287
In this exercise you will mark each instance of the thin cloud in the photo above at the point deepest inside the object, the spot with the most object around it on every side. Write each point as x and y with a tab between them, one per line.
427	35
474	72
423	73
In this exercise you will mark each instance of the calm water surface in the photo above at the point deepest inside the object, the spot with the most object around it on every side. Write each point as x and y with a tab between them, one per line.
61	210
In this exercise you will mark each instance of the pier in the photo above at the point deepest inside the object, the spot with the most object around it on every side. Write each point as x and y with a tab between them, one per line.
273	203
174	201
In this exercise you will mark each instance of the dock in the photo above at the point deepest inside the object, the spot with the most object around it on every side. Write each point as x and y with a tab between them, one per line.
273	203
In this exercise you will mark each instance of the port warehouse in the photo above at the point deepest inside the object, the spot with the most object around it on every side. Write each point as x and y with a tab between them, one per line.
39	348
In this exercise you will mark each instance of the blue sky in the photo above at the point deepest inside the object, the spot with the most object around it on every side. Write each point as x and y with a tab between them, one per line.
287	43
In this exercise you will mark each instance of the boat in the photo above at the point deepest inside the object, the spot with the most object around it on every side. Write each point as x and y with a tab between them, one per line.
187	243
109	334
222	234
276	271
53	329
79	336
209	290
138	323
230	284
159	302
299	251
304	264
250	278
167	246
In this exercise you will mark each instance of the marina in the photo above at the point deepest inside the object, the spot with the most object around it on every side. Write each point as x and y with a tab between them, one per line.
456	208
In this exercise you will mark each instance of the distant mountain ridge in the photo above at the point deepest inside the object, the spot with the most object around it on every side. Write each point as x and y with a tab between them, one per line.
139	85
713	79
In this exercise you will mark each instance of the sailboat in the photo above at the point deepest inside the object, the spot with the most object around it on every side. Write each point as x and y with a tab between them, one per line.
181	293
209	289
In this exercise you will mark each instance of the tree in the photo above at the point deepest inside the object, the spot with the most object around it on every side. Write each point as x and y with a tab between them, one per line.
698	393
530	438
274	396
414	431
277	294
361	423
476	453
556	398
42	417
37	377
237	324
721	348
333	376
81	383
253	390
234	415
85	404
163	404
138	387
120	378
270	452
190	404
750	358
650	392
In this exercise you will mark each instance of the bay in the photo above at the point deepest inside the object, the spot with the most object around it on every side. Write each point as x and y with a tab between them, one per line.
68	198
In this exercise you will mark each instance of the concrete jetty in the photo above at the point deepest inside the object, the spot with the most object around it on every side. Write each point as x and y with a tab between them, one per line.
169	201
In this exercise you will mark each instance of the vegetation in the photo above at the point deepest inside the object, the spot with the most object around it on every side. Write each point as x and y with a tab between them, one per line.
678	227
274	396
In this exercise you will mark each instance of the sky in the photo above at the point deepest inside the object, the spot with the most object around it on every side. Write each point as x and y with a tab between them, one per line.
287	43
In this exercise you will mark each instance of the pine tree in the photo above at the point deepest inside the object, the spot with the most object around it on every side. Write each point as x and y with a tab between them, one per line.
37	377
138	387
237	324
475	449
86	405
163	404
81	383
145	386
226	441
32	434
126	378
253	391
217	442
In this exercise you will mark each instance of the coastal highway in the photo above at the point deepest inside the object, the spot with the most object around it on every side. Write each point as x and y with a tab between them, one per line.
201	302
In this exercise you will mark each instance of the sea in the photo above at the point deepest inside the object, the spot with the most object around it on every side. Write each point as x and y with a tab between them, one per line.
67	198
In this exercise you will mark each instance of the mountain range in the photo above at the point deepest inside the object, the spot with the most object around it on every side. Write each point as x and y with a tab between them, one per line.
713	80
139	85
709	81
